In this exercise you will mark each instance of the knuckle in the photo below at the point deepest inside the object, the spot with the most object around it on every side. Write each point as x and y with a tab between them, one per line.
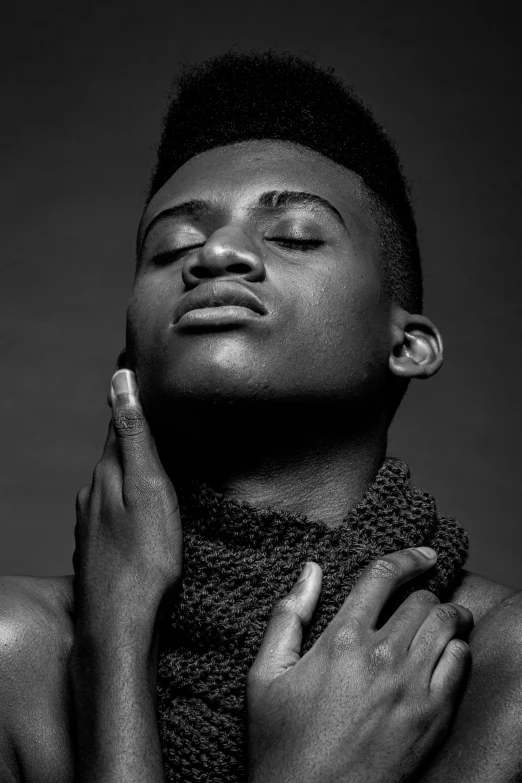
285	607
380	656
141	487
407	559
425	598
466	614
153	484
412	556
446	614
458	649
422	714
128	422
384	568
343	639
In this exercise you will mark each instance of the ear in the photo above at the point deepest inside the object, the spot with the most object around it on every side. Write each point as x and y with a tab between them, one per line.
416	350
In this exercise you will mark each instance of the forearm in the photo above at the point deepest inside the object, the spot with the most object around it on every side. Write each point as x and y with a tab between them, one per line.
114	681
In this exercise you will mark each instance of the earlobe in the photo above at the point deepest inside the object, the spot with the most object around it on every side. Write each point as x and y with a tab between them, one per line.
417	350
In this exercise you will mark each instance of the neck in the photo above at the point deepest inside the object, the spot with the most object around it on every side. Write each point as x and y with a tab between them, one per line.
321	473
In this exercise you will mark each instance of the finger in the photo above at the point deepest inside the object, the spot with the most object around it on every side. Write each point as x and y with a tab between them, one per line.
403	625
452	669
443	623
120	364
379	581
82	500
109	464
281	645
131	429
110	441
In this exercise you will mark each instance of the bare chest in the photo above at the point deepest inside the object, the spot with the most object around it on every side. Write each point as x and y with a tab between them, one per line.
43	736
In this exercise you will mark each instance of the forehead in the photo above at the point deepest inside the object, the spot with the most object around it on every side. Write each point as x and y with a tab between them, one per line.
237	174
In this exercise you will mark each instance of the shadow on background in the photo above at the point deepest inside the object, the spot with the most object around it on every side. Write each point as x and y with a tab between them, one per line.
83	95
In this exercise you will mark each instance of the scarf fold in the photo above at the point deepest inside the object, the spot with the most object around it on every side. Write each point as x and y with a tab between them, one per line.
237	562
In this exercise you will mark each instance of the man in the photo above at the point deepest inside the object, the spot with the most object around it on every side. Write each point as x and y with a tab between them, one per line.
274	324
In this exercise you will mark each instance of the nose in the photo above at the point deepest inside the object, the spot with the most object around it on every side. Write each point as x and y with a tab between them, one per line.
229	252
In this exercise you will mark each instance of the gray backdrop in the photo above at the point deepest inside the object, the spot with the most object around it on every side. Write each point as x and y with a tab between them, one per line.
83	93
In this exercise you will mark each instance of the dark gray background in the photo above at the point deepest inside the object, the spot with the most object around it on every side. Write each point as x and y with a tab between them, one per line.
84	90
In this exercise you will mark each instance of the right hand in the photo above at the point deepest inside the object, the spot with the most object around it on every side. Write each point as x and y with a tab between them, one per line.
363	704
128	556
128	531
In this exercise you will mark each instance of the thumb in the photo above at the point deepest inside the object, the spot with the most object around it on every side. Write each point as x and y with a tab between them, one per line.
130	425
281	645
121	364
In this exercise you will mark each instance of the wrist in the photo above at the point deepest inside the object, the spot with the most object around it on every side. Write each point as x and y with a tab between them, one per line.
117	631
103	669
124	601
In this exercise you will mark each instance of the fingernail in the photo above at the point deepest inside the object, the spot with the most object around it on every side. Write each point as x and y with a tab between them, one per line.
305	573
427	551
124	382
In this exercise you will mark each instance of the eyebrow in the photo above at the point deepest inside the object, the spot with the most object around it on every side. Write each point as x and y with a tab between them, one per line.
276	200
282	199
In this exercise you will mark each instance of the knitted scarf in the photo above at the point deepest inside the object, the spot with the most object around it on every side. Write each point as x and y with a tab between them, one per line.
238	561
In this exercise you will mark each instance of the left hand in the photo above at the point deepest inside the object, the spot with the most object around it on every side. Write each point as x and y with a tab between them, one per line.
363	704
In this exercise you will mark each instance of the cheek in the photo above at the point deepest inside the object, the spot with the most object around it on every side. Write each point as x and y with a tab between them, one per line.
149	312
148	315
347	328
348	307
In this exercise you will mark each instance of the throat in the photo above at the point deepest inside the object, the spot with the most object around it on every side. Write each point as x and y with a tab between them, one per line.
318	479
321	487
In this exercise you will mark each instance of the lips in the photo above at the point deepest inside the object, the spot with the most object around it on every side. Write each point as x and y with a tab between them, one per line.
219	294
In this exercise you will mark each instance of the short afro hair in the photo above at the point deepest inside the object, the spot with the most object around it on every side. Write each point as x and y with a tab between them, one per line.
241	96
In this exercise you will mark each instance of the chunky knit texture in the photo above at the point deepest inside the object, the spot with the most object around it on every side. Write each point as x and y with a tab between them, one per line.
238	561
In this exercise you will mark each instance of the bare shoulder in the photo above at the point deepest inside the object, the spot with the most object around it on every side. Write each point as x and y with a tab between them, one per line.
36	634
498	623
481	595
485	743
497	636
35	619
44	595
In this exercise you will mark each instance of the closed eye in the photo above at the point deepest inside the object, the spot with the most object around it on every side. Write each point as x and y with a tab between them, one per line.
297	244
169	256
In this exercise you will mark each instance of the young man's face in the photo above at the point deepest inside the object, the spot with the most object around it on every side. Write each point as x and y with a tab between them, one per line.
219	233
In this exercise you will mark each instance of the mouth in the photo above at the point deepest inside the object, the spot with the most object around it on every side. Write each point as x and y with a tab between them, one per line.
218	303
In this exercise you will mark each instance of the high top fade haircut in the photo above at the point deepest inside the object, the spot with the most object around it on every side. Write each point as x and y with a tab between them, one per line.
241	96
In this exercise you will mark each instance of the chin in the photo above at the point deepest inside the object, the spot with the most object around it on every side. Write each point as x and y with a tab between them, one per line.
173	395
215	372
